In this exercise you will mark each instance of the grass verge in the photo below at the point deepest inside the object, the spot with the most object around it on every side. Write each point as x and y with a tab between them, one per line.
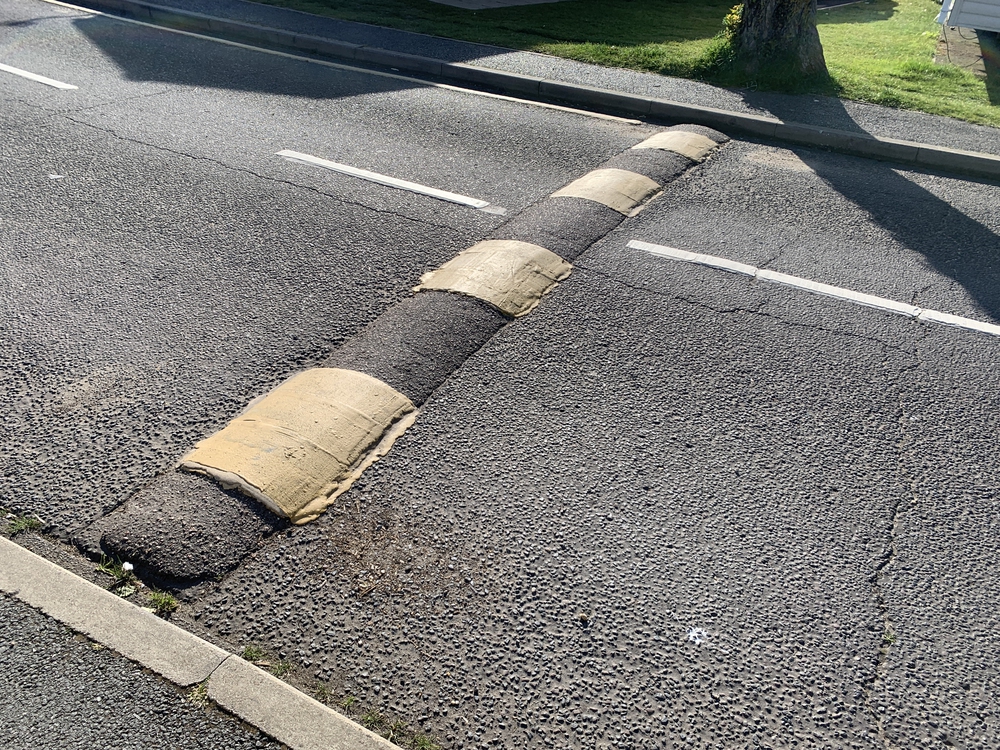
878	51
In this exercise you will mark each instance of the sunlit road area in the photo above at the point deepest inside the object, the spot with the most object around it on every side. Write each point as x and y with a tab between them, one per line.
674	507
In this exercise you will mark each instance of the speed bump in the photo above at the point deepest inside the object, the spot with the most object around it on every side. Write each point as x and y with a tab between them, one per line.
301	445
615	188
510	275
692	145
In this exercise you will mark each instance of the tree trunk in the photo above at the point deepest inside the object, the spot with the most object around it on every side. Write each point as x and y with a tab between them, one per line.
780	33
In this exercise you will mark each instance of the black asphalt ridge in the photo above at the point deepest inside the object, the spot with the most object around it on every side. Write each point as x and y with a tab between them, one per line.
159	523
414	345
566	226
185	530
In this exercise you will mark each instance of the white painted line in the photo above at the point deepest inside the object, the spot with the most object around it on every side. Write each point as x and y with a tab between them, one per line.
957	321
37	78
353	68
722	264
382	179
866	300
815	287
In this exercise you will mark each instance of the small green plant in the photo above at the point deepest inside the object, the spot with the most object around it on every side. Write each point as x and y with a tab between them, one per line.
423	742
120	571
323	694
888	638
374	721
163	603
348	703
395	731
23	523
281	668
125	583
199	694
253	653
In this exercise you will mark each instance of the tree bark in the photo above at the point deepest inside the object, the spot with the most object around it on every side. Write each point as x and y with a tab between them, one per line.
780	32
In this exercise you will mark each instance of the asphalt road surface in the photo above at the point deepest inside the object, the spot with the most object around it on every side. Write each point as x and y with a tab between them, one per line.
673	507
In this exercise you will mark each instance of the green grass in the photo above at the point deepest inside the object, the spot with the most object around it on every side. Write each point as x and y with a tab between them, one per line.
21	524
163	603
879	51
253	653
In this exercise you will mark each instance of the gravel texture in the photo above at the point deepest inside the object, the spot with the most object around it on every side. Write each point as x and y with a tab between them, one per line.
58	691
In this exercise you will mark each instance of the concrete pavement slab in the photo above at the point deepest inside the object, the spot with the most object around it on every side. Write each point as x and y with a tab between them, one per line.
283	712
132	632
60	691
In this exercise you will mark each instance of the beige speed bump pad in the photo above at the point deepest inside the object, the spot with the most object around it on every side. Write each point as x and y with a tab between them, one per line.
301	445
615	188
692	145
512	276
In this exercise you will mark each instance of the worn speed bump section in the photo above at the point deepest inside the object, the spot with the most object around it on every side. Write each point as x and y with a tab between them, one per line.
301	445
512	276
692	145
615	188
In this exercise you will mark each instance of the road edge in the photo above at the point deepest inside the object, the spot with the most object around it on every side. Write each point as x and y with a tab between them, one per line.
272	706
909	153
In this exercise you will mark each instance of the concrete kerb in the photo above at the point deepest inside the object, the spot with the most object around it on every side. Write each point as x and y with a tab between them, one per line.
260	699
920	155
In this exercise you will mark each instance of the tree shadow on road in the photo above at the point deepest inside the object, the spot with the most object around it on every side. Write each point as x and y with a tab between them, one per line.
146	54
953	243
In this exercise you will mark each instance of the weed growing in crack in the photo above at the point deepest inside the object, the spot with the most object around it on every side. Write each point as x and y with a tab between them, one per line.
423	742
253	653
125	583
199	694
281	668
394	730
323	694
348	702
163	603
21	524
374	721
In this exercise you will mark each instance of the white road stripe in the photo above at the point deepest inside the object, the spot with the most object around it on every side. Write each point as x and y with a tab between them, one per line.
354	69
815	287
37	78
382	179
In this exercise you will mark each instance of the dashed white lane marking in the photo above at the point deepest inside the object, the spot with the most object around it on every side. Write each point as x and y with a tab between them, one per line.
814	287
382	179
37	78
354	69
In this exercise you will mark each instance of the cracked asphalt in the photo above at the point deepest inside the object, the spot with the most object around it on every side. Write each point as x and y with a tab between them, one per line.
671	508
